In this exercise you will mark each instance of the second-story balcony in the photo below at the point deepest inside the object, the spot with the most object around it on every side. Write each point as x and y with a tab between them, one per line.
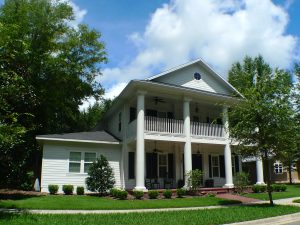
175	126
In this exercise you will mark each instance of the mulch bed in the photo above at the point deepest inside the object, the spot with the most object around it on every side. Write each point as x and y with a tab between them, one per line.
18	194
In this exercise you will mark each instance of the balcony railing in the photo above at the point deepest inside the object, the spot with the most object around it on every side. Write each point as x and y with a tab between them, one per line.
174	126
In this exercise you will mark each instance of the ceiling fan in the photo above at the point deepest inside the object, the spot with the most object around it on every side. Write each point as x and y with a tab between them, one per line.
155	150
158	100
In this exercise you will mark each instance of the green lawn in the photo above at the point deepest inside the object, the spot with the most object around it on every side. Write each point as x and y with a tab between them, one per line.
293	190
212	216
93	202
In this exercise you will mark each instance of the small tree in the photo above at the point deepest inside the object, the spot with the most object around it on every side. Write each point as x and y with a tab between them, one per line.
241	180
100	176
195	179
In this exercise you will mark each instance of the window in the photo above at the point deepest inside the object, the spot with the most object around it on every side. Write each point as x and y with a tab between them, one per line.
215	166
162	165
132	114
278	169
120	122
197	76
74	162
89	158
233	165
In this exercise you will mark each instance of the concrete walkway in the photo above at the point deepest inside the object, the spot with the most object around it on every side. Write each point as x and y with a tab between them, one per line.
278	220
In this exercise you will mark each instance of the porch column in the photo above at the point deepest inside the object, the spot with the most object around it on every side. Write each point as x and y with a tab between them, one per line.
259	172
227	151
187	133
140	143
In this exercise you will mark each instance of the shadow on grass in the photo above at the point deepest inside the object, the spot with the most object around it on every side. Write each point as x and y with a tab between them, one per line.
16	196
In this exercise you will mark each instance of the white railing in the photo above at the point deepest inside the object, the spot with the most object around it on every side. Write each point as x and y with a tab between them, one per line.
163	125
174	126
206	129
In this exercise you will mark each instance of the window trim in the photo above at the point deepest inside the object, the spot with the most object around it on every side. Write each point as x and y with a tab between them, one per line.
212	166
82	162
70	161
279	168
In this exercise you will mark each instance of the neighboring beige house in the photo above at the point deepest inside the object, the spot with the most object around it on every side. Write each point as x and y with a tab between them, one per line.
156	130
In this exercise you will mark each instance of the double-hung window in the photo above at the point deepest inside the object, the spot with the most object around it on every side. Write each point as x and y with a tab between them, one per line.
74	162
278	168
163	165
215	166
89	158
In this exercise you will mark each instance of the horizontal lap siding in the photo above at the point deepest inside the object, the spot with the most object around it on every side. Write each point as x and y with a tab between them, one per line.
56	164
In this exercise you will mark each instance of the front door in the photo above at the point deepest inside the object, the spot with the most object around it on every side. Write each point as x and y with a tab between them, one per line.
197	161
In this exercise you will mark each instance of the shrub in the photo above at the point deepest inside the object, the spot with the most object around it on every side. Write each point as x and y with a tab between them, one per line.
153	194
122	194
195	179
53	189
167	193
28	181
80	190
279	187
180	192
259	188
241	180
138	194
211	194
114	191
68	189
100	176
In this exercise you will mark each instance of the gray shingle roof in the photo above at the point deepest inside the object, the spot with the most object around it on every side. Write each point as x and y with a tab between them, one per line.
101	136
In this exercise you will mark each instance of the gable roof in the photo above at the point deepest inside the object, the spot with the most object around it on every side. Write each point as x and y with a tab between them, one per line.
202	63
93	136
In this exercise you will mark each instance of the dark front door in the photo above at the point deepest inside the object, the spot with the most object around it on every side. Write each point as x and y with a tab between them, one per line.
197	161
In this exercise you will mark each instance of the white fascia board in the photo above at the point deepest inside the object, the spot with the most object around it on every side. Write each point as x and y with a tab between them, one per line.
76	140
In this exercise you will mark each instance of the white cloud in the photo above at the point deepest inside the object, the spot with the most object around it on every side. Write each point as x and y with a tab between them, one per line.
219	31
115	90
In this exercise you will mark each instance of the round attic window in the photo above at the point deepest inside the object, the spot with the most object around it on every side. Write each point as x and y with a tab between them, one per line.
197	76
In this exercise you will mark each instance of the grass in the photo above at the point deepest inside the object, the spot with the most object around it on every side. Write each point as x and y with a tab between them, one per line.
297	201
201	217
293	190
93	202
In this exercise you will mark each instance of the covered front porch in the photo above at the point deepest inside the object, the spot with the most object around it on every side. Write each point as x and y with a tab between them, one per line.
164	166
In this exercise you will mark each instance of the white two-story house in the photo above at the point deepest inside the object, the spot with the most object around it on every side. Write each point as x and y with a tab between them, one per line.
156	131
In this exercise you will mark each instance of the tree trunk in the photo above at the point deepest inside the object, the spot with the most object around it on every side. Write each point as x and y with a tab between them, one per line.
268	176
290	172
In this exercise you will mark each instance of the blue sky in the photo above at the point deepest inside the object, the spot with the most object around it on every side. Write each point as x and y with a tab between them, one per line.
146	37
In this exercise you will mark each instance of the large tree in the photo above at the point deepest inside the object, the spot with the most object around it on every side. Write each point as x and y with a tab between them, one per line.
47	68
262	123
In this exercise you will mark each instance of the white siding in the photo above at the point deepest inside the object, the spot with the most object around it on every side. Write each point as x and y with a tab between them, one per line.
55	164
185	77
113	125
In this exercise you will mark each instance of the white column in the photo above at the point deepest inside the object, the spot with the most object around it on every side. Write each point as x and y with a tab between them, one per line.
227	151
187	133
259	172
124	156
140	143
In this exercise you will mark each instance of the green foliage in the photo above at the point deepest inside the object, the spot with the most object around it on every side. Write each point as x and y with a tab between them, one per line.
100	176
68	189
122	194
27	185
180	192
153	194
113	192
80	190
279	187
167	193
258	188
47	68
53	189
241	181
265	119
195	179
138	194
211	194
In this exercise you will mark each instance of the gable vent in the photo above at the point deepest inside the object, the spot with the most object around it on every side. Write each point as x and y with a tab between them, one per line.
197	76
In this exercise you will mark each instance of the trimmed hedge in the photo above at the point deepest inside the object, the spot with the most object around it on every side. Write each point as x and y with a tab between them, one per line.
279	187
153	194
114	192
53	189
257	188
167	193
122	194
68	189
180	192
138	194
80	190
